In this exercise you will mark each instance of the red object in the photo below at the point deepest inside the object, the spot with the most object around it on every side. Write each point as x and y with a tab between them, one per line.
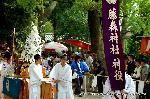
145	45
49	50
116	96
78	43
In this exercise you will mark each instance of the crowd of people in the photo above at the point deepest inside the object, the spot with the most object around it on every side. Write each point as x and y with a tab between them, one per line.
139	70
69	70
83	64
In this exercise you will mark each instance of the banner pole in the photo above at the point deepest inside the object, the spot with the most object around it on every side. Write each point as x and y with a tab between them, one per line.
13	51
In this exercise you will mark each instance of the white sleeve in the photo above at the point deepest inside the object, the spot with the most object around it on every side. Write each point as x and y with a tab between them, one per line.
38	75
107	90
106	87
68	75
53	73
1	66
91	60
130	85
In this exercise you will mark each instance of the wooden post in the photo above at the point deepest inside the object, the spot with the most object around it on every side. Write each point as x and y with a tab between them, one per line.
13	45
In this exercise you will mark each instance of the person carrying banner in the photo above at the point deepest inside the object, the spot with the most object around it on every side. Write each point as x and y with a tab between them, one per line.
62	75
127	93
36	76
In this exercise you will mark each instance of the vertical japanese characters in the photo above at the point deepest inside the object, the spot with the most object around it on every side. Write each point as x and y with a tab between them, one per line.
112	43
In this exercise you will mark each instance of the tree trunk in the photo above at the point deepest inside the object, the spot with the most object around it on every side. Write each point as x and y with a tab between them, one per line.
95	26
44	14
124	21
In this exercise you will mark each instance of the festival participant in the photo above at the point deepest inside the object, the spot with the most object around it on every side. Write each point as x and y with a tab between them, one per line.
144	76
89	61
137	71
99	71
36	76
24	70
144	70
62	74
6	69
131	65
127	93
78	67
147	87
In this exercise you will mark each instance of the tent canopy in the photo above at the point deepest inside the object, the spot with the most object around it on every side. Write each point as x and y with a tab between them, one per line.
55	47
78	43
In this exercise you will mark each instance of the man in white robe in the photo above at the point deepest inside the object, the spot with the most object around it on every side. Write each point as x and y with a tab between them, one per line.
128	92
36	76
62	74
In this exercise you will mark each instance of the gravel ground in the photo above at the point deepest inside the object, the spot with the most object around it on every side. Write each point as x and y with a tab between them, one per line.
89	97
93	97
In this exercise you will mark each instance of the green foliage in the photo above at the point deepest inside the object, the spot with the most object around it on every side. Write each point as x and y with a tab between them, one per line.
134	44
46	28
138	16
71	23
19	14
138	23
20	38
144	12
71	20
31	6
12	16
84	5
133	47
74	23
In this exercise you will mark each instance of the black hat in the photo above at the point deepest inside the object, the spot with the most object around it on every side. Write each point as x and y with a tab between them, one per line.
7	55
77	57
63	57
37	56
131	55
143	60
138	60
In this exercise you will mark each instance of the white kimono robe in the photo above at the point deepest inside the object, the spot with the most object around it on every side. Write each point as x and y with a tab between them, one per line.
64	74
36	76
129	89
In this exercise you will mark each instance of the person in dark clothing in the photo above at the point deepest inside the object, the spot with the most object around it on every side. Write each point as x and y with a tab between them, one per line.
100	72
147	89
147	82
144	77
131	65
